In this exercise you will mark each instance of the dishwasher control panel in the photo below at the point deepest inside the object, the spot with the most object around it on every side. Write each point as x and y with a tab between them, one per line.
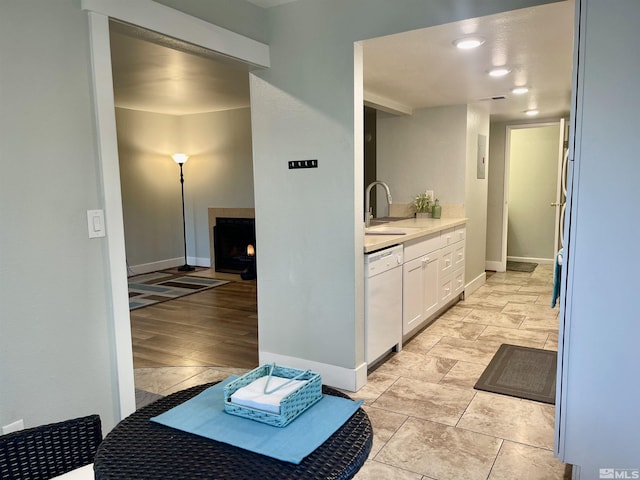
383	260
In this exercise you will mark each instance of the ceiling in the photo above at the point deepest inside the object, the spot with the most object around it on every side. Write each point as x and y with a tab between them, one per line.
159	74
423	68
409	71
269	3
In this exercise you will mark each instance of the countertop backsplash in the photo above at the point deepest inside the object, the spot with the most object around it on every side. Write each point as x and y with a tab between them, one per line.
406	210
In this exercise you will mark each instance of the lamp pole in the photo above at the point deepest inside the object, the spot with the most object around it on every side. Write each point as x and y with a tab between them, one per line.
181	159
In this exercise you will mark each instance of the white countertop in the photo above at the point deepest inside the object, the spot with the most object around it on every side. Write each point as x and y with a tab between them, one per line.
420	228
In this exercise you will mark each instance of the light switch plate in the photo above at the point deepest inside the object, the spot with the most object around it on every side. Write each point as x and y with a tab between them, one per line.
95	221
430	193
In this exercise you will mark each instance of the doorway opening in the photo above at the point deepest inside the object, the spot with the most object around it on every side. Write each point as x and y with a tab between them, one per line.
169	98
175	25
533	164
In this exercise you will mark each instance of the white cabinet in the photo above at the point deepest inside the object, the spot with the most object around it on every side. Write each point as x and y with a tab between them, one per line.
432	275
420	294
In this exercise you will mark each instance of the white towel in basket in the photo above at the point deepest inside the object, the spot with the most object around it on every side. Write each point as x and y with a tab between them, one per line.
253	395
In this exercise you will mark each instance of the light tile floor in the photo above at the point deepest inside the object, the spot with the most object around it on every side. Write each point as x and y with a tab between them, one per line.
428	421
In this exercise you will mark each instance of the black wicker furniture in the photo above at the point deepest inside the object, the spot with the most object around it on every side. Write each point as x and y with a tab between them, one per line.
44	452
140	449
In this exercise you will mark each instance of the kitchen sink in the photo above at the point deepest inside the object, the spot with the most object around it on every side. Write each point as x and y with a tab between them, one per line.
389	230
383	220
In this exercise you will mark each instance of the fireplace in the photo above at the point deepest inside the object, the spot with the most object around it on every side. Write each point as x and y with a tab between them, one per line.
234	243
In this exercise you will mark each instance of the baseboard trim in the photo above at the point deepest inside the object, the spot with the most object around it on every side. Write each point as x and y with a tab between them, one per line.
542	261
475	284
351	379
199	261
154	266
494	266
167	263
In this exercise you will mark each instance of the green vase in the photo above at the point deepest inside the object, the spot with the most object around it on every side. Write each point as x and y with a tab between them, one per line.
436	210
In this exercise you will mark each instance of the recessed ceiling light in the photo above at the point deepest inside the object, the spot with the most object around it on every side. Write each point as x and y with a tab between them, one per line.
468	43
531	113
519	90
499	72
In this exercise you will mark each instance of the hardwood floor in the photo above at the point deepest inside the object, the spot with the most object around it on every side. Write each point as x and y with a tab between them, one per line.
217	327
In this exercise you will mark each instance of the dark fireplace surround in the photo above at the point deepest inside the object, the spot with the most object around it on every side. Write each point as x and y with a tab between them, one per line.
231	238
225	212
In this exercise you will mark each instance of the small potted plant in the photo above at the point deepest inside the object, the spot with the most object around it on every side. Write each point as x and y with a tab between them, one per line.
422	205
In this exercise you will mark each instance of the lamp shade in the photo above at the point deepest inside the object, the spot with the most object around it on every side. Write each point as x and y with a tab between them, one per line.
180	157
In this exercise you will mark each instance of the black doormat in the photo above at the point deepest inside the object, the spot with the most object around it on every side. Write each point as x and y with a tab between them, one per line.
521	266
522	372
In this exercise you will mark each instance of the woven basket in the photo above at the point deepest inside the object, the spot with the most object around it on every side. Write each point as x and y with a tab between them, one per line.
290	407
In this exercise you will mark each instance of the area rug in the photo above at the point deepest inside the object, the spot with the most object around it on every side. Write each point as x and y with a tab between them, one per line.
527	267
156	287
522	372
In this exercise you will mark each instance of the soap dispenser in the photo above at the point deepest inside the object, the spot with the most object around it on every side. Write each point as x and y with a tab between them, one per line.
436	210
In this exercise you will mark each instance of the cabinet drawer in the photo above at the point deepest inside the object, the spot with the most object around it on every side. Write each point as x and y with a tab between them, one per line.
446	261
458	254
460	233
458	281
421	246
446	289
447	237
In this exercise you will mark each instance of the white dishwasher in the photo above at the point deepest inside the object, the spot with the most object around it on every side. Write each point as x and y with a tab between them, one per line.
383	302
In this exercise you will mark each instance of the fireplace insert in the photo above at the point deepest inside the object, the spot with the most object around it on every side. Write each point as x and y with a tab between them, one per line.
234	241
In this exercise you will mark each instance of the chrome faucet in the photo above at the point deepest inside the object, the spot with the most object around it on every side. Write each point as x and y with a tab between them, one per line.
367	200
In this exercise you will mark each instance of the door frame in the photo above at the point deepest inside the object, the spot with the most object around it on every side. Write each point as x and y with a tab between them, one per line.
173	23
507	171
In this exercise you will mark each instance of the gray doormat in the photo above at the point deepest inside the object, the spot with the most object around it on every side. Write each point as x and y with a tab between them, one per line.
521	266
522	372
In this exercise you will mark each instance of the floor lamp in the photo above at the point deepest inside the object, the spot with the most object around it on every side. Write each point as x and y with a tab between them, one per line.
181	159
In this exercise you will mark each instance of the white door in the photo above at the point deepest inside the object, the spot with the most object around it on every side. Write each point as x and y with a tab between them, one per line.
561	185
531	179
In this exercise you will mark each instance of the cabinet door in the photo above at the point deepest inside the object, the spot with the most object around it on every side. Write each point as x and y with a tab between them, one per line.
412	295
430	284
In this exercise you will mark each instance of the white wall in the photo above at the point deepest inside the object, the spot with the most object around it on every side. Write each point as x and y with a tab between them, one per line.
475	204
309	223
495	194
423	151
220	169
599	339
150	186
219	173
56	344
